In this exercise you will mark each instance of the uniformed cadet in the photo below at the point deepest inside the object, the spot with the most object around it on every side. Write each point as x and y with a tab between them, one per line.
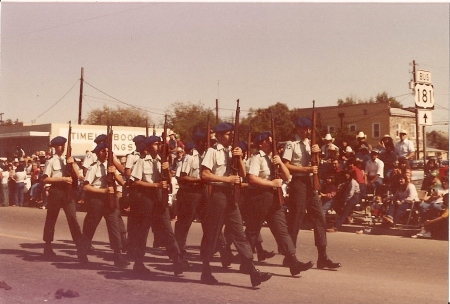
302	197
222	208
98	204
189	195
116	162
264	201
54	171
148	209
90	157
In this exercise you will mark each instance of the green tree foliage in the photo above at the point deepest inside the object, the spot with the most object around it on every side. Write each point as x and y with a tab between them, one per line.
258	120
187	118
9	123
438	140
118	117
380	98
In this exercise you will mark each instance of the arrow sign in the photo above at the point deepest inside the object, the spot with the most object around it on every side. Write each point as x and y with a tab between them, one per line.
425	117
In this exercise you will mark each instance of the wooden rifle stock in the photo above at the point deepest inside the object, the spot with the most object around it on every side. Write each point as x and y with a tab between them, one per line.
314	156
110	179
277	174
249	143
70	171
236	159
165	172
208	134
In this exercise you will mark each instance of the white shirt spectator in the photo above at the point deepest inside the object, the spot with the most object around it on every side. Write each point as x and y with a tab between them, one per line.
374	167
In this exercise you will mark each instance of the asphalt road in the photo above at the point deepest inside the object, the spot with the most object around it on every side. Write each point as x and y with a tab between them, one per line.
376	269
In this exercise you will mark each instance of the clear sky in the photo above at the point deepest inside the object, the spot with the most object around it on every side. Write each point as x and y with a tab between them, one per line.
151	55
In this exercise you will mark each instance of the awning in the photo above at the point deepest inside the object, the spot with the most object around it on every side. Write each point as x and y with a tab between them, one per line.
24	134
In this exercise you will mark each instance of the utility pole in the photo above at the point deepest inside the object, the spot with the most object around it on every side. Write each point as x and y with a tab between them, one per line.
1	118
417	118
217	112
80	102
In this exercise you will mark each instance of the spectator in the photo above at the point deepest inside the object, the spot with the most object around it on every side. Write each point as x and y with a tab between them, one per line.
328	144
19	177
432	205
406	193
5	189
35	185
361	142
389	158
349	154
375	173
342	150
363	154
177	161
172	143
438	226
327	193
19	153
360	176
179	142
404	148
385	141
351	197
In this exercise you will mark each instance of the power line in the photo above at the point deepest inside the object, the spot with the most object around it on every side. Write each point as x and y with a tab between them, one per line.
58	100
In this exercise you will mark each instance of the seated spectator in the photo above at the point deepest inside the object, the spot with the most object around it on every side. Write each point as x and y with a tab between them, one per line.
390	159
398	203
35	184
363	154
433	204
327	193
351	198
342	150
438	226
361	142
329	144
375	173
360	176
349	155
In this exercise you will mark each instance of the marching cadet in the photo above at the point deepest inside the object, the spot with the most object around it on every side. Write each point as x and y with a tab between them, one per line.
189	195
264	202
148	209
98	205
302	197
222	208
54	171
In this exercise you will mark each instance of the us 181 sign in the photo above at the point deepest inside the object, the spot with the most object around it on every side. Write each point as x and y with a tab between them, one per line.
424	96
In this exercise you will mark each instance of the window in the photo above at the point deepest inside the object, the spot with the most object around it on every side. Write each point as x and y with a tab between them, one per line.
352	128
412	134
397	130
375	130
331	129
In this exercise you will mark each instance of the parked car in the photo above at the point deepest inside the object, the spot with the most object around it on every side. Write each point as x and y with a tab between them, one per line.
416	164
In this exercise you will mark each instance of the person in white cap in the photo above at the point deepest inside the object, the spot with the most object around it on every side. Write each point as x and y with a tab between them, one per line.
405	148
328	146
361	141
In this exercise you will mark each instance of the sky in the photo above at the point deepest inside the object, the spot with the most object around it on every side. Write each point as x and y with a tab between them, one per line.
153	54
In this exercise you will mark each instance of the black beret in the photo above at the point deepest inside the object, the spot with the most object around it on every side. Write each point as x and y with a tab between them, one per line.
261	136
303	122
243	145
99	139
141	146
58	141
223	127
100	146
139	139
189	146
151	139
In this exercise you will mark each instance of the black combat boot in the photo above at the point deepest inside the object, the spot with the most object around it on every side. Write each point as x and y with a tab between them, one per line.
48	251
207	277
119	260
226	256
325	262
295	266
256	276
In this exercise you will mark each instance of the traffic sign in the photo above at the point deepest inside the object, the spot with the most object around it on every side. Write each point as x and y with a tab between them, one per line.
424	117
424	96
423	77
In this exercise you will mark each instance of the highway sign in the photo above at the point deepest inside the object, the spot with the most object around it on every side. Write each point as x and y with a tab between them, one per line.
424	96
423	77
424	117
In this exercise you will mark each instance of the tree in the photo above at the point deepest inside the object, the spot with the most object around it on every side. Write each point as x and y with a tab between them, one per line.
258	120
437	140
187	118
380	98
10	123
118	117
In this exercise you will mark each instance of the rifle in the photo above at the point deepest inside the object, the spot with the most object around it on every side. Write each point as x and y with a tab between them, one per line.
275	153
154	130
249	142
236	159
165	172
146	128
70	172
314	156
208	134
110	179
